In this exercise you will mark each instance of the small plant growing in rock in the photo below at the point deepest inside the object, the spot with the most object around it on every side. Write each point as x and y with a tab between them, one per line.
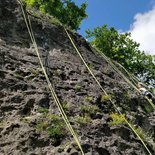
43	110
90	66
105	98
148	108
77	88
146	136
89	98
57	72
86	112
66	105
94	109
57	134
89	110
84	109
53	125
42	125
126	94
117	119
83	120
30	78
56	131
61	149
19	75
35	71
53	117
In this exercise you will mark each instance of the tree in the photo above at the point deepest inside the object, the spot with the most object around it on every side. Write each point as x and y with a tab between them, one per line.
121	48
65	10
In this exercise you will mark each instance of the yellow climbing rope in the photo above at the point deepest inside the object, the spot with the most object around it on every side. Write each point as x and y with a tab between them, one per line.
124	77
64	116
106	92
29	27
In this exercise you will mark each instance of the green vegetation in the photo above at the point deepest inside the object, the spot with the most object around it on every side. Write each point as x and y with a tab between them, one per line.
148	108
52	124
30	78
35	71
146	136
62	147
121	48
126	94
42	126
66	11
117	119
89	110
19	75
43	110
86	113
83	120
66	105
77	88
105	98
57	72
56	131
89	98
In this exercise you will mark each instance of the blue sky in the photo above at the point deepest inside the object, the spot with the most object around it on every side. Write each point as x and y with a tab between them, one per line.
120	14
115	13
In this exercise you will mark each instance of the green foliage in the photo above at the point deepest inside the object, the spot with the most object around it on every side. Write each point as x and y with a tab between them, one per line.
89	110
66	105
19	75
121	48
30	78
146	136
56	131
148	108
105	98
83	120
117	119
66	11
57	72
52	124
62	147
89	98
53	117
86	113
43	110
42	126
77	88
35	71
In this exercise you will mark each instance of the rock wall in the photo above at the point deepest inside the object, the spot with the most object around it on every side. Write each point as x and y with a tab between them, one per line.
30	122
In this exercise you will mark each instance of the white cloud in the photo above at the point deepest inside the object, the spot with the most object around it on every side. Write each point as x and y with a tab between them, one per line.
143	31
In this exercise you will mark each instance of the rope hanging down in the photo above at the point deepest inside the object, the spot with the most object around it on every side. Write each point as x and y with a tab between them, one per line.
64	116
29	27
124	77
132	128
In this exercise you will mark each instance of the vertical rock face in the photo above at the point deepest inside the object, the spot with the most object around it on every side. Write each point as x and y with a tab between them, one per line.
30	122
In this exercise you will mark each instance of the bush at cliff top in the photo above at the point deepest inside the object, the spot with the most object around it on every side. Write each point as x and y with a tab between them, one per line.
66	11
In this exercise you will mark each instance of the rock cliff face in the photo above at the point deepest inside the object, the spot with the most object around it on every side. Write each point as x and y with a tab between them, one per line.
30	122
